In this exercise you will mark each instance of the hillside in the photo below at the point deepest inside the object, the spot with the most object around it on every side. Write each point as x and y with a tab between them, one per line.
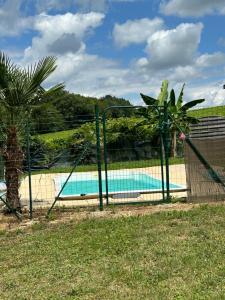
198	113
209	111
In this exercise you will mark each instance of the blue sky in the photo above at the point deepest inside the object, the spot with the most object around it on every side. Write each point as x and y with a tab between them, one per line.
122	47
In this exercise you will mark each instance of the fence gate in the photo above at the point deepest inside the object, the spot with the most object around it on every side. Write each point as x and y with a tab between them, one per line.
136	165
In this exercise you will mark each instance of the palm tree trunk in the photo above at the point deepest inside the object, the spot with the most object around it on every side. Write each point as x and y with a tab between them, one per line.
13	156
173	150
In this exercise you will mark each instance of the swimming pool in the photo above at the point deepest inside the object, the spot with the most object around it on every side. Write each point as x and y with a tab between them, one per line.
84	184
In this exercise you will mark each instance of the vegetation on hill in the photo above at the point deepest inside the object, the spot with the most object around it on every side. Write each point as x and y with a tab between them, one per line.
69	111
208	111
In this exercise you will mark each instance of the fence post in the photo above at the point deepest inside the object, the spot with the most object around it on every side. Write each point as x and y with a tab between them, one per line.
29	169
161	152
2	174
98	150
166	147
105	158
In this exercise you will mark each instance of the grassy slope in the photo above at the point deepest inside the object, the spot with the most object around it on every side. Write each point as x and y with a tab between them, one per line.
168	255
65	134
210	111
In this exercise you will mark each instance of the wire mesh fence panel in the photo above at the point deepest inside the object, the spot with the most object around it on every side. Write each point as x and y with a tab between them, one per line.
177	172
133	170
63	164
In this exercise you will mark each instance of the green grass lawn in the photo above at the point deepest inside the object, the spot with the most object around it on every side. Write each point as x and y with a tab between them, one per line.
111	166
58	135
167	255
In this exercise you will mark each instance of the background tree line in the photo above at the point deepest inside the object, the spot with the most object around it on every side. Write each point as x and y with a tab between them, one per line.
68	110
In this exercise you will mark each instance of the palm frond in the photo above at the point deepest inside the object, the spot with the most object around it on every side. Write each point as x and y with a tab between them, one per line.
43	96
39	73
7	70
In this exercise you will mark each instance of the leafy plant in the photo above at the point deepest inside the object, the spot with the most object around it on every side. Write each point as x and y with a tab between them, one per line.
177	111
20	91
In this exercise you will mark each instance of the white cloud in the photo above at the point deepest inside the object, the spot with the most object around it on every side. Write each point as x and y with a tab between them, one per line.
176	47
136	31
192	8
15	15
61	33
212	92
11	21
184	74
211	60
48	5
89	74
171	54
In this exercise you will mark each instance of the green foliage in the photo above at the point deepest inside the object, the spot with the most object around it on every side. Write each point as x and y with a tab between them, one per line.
179	119
177	111
68	111
122	133
163	96
46	118
21	89
75	109
109	100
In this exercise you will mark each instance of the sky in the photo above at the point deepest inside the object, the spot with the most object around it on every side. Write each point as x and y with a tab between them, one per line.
122	47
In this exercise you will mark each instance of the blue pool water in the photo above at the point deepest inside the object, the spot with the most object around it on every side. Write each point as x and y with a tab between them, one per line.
137	182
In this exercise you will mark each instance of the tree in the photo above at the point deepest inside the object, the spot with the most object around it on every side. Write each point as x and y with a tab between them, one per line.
46	118
20	91
177	111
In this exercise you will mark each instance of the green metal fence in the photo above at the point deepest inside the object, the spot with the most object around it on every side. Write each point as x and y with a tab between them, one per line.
98	160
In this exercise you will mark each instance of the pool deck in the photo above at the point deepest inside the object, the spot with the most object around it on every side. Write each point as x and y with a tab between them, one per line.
44	190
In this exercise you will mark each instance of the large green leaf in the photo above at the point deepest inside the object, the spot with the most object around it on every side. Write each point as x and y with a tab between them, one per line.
149	100
163	96
172	100
191	104
180	98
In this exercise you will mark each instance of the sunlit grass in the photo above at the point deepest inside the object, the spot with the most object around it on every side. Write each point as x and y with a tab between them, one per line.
168	255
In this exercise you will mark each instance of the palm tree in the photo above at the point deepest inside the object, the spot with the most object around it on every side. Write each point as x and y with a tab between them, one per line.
20	90
177	111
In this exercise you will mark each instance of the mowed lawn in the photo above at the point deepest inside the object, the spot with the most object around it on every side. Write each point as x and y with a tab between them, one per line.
166	255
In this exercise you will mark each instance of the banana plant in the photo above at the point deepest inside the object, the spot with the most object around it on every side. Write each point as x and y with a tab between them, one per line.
177	112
